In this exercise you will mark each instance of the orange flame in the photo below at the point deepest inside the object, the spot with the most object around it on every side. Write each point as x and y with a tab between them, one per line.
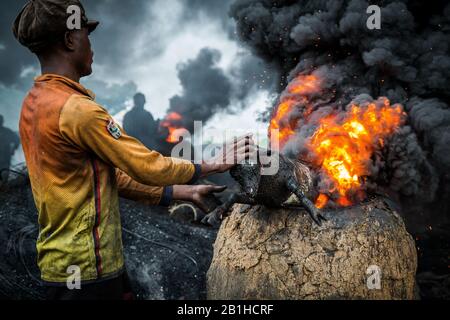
304	85
171	122
343	148
343	143
297	91
285	131
321	201
173	116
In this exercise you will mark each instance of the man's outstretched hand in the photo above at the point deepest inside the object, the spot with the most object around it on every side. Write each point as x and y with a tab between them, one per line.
200	195
230	155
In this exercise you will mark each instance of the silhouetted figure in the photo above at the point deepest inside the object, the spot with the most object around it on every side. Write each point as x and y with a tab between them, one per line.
9	142
140	124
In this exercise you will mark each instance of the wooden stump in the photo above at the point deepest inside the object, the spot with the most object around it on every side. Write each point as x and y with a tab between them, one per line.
263	253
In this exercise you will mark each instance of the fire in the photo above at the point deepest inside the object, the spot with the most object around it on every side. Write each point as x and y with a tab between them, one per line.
321	201
343	146
285	131
304	85
297	91
172	123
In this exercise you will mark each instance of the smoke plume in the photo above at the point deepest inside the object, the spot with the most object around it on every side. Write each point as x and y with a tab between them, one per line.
206	88
406	61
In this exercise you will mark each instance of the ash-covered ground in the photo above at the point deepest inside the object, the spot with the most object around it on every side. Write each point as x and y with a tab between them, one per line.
167	255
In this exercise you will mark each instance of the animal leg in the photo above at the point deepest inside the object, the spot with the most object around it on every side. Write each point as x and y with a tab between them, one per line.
215	217
314	213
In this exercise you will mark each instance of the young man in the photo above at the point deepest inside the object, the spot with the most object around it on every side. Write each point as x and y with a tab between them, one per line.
80	160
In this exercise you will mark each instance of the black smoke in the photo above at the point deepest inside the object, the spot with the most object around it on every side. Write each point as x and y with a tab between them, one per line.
407	61
206	88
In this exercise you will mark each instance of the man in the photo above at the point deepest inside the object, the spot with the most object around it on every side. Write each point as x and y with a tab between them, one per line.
80	160
9	142
139	123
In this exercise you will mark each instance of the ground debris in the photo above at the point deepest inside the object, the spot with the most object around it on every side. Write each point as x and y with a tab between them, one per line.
166	258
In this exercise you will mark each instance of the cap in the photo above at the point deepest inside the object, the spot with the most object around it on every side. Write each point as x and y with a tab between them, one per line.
42	22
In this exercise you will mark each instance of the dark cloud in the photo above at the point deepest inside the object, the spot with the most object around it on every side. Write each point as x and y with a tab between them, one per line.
120	24
13	57
216	10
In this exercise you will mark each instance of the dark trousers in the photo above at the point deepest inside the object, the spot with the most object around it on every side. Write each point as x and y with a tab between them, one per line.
114	289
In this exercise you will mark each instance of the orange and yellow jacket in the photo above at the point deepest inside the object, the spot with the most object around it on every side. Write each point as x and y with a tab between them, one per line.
79	162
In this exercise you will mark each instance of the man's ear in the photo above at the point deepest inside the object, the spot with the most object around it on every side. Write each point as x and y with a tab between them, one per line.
69	41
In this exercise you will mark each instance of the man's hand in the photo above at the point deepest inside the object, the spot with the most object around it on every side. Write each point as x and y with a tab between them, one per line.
230	155
200	195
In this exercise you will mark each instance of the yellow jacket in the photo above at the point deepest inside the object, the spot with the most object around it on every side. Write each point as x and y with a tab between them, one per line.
79	161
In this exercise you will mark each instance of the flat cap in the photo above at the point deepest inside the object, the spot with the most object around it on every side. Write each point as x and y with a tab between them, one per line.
42	22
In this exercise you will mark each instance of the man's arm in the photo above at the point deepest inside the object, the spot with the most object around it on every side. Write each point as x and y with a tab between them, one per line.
163	196
133	190
85	124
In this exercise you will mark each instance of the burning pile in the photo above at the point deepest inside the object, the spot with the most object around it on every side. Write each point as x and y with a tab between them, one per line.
343	142
330	65
297	91
343	148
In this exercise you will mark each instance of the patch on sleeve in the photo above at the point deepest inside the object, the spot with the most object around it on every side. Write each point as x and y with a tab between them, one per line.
114	129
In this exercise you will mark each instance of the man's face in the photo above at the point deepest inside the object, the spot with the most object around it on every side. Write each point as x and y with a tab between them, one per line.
83	54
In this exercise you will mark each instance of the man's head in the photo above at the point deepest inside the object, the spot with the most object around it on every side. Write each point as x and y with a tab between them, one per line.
57	31
139	100
1	121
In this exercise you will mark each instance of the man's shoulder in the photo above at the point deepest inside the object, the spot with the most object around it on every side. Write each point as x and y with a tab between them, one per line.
81	109
138	114
130	114
148	114
82	104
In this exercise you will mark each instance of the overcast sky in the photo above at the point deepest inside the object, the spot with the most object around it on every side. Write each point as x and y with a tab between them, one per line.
138	46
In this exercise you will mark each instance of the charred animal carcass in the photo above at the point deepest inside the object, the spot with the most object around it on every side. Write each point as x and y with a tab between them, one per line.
271	190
